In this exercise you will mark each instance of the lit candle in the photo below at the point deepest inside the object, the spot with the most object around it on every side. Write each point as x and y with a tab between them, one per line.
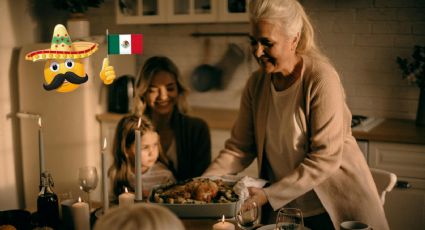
40	147
138	163
105	177
81	215
223	225
126	198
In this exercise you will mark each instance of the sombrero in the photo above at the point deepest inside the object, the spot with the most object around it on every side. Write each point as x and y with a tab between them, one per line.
63	48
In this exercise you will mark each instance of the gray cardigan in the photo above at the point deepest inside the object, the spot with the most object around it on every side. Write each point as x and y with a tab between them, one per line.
334	165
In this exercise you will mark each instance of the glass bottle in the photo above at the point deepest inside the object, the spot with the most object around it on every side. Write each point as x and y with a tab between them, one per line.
47	203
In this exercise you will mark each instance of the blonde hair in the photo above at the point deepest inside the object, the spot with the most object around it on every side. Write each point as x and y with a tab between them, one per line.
290	15
119	172
144	216
151	67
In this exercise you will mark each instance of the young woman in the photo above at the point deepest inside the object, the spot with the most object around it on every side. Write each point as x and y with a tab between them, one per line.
185	139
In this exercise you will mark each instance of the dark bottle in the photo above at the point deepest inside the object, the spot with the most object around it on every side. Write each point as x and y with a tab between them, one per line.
47	203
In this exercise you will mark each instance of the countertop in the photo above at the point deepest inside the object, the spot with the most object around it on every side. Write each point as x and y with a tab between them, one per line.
389	130
394	130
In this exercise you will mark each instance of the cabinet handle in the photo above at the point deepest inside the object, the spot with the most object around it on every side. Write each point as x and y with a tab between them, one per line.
403	184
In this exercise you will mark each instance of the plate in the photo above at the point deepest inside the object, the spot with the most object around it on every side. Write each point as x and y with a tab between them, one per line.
272	227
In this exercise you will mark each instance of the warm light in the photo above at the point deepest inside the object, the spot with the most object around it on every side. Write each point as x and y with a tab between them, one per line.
39	122
125	190
139	123
222	219
79	199
105	143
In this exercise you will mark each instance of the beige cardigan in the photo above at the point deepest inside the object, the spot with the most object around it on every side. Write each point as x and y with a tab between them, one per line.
334	165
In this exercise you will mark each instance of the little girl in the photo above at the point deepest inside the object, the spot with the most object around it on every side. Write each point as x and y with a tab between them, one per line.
122	171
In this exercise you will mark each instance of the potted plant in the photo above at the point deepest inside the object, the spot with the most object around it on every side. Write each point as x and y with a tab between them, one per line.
414	72
78	25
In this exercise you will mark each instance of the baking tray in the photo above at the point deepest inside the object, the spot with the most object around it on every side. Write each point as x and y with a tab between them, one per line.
205	210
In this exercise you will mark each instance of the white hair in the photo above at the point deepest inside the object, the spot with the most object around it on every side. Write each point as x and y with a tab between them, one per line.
290	15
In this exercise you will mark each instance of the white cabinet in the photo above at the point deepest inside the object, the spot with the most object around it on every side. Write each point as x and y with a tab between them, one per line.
180	11
404	205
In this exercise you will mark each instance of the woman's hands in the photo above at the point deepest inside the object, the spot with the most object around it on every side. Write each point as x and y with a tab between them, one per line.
258	195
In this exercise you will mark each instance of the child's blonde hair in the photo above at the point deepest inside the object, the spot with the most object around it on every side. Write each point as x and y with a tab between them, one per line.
119	172
139	216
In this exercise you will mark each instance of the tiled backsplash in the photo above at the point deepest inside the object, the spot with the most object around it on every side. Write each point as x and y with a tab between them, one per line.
362	38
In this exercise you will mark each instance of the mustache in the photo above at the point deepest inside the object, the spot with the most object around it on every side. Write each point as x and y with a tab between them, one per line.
60	78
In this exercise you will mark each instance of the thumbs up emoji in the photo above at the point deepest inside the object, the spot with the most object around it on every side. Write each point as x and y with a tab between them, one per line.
107	74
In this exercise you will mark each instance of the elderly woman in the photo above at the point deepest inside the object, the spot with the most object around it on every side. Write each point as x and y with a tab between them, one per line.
293	118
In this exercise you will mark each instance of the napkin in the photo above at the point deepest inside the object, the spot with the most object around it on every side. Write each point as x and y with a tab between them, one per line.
241	187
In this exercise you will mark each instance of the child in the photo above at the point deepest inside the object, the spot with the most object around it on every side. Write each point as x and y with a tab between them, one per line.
154	163
139	216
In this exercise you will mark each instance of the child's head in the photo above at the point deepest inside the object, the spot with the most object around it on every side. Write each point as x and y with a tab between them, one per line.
124	149
139	216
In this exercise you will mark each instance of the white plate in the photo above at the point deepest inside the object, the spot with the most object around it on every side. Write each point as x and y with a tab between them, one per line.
272	227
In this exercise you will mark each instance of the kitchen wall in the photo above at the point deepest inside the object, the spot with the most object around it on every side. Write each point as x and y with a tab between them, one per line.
362	38
17	29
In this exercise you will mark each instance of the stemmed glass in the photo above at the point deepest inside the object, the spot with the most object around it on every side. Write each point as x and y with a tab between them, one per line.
289	219
88	179
247	214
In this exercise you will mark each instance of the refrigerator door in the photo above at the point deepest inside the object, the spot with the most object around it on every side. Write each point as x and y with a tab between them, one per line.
70	131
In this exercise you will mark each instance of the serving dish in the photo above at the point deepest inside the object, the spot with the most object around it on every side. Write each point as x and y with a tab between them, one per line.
189	208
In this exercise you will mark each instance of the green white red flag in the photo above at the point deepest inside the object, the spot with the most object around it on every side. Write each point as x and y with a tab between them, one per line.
125	44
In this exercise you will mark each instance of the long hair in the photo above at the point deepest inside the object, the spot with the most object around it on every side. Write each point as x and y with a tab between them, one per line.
120	170
151	67
290	15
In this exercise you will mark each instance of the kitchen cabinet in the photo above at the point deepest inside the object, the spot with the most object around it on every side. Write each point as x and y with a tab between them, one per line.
405	204
180	11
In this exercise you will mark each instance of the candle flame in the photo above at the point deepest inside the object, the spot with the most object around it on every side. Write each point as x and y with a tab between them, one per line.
104	143
79	199
222	219
39	122
139	123
125	189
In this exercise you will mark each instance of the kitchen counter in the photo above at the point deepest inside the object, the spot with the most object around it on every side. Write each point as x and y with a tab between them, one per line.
394	130
389	130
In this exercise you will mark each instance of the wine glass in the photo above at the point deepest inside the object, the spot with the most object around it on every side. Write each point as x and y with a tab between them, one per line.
88	179
289	219
247	214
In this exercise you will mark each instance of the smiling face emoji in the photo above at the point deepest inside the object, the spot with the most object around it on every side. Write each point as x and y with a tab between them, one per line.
64	75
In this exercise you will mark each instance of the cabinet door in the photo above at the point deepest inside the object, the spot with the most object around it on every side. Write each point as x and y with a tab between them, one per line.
140	11
405	207
191	11
233	11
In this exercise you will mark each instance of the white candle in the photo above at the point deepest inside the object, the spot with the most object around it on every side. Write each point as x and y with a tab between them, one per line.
81	215
105	177
40	147
138	163
223	225
126	199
